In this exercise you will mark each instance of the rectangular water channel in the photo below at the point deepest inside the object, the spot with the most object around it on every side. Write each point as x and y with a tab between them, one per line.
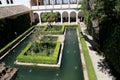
71	67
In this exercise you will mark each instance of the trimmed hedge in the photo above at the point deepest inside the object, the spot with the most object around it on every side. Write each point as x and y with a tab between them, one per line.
90	68
40	59
12	43
74	25
53	32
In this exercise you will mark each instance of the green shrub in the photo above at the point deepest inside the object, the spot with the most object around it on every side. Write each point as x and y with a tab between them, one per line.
61	31
90	68
8	46
39	59
74	25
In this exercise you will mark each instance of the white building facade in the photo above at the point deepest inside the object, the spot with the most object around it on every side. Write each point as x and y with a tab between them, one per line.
66	8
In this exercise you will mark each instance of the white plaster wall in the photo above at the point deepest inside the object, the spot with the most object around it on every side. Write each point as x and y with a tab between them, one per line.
3	2
23	2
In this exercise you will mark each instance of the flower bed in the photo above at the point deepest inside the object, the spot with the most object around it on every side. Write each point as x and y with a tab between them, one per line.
42	56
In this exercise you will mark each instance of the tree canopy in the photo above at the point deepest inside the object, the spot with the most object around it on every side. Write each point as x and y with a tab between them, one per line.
49	17
108	14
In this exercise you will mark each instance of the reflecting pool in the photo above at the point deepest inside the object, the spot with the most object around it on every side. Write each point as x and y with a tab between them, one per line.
71	68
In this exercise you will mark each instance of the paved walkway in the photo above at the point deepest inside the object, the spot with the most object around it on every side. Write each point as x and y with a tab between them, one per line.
102	72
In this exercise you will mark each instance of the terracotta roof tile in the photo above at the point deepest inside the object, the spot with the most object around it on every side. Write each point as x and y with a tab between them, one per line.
7	11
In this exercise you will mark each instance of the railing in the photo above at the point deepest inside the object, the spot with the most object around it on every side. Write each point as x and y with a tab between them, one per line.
63	6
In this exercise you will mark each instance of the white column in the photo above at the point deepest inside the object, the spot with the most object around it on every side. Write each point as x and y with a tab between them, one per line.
53	4
61	18
68	17
76	17
77	2
68	3
61	3
37	2
45	4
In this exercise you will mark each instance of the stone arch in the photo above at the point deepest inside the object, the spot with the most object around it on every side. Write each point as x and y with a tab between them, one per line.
65	16
73	16
36	18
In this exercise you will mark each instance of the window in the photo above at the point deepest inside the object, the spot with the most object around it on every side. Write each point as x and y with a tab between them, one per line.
46	2
52	2
0	2
58	1
11	1
65	1
73	1
39	3
7	1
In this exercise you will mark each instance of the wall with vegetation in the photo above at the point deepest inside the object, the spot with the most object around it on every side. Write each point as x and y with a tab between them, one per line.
12	27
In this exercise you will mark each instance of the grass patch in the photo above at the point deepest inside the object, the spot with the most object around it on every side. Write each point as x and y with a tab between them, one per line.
90	68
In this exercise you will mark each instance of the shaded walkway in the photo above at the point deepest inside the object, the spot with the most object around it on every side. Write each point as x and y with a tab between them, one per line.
100	66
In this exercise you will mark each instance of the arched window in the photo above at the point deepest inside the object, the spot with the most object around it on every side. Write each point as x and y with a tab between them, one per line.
0	2
52	2
46	2
65	1
58	1
7	1
73	1
11	1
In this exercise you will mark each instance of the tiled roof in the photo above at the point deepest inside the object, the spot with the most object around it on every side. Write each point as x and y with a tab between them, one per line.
7	11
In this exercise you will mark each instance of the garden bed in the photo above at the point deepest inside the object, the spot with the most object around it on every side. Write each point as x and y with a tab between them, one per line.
45	53
49	38
55	29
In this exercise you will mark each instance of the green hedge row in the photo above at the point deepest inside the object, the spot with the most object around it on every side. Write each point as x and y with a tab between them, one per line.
40	59
90	68
73	25
53	32
12	43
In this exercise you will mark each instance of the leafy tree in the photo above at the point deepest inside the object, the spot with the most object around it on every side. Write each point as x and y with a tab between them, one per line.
108	14
49	17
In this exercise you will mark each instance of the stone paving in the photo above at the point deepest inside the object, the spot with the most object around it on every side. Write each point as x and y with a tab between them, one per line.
102	72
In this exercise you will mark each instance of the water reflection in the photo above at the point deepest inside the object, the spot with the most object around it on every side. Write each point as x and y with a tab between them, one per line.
71	68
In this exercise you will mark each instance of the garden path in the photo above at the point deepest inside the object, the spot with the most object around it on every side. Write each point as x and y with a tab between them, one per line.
100	66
